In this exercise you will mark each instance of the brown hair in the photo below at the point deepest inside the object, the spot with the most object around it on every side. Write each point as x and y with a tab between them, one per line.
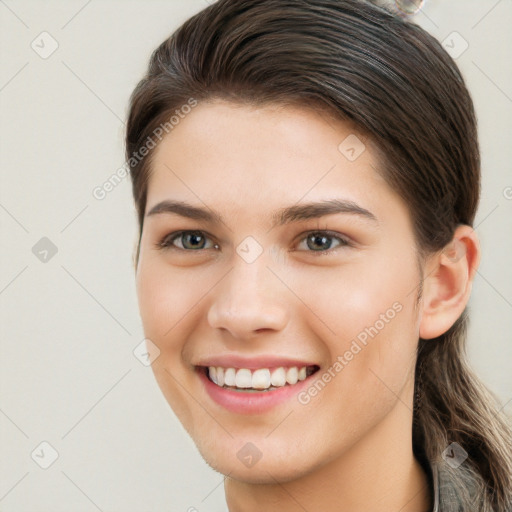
396	84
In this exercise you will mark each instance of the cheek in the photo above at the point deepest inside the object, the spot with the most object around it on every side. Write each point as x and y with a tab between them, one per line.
166	304
359	299
379	360
166	301
368	323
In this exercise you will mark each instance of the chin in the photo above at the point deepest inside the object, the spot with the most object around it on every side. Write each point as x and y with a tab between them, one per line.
235	461
268	472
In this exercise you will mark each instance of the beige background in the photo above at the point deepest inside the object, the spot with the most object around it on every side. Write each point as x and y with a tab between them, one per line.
70	324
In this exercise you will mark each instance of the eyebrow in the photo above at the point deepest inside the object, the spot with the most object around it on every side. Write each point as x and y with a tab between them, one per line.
287	215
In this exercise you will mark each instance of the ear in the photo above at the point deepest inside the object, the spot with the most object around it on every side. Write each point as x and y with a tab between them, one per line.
447	286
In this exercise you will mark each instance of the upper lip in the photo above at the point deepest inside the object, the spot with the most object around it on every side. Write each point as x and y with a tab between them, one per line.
252	363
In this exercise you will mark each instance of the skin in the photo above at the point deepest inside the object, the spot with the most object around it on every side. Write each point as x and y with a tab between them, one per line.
350	447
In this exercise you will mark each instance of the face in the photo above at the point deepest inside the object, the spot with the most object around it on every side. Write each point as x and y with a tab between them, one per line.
283	303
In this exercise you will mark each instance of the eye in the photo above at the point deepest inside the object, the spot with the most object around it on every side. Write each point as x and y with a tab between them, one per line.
321	242
188	240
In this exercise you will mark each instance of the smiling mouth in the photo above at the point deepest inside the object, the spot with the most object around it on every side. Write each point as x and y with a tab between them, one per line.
257	381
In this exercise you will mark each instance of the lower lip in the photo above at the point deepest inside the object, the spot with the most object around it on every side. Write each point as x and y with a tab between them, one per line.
241	402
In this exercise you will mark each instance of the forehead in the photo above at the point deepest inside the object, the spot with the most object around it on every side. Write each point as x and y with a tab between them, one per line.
261	158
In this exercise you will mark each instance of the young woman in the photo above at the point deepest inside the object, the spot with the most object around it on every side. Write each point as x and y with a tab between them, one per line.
306	175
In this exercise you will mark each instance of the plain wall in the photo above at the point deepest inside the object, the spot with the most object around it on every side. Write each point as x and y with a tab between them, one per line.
70	324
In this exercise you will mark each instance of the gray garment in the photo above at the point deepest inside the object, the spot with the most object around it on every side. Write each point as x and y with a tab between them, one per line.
454	489
445	496
446	492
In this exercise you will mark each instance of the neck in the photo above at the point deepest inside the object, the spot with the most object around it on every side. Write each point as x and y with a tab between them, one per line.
378	473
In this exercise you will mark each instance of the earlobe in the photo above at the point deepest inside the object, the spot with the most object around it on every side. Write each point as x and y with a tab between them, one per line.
447	286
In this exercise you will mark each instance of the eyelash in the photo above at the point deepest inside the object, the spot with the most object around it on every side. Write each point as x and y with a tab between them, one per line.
166	243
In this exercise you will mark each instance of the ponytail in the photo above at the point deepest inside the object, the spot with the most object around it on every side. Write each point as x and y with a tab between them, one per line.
453	406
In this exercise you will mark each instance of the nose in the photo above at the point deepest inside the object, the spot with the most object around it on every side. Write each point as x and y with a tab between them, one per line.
249	299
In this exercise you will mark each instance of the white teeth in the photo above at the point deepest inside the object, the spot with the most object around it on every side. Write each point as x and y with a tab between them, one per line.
278	377
220	376
292	375
229	377
262	378
243	378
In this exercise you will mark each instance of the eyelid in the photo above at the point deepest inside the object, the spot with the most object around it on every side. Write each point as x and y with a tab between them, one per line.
166	242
